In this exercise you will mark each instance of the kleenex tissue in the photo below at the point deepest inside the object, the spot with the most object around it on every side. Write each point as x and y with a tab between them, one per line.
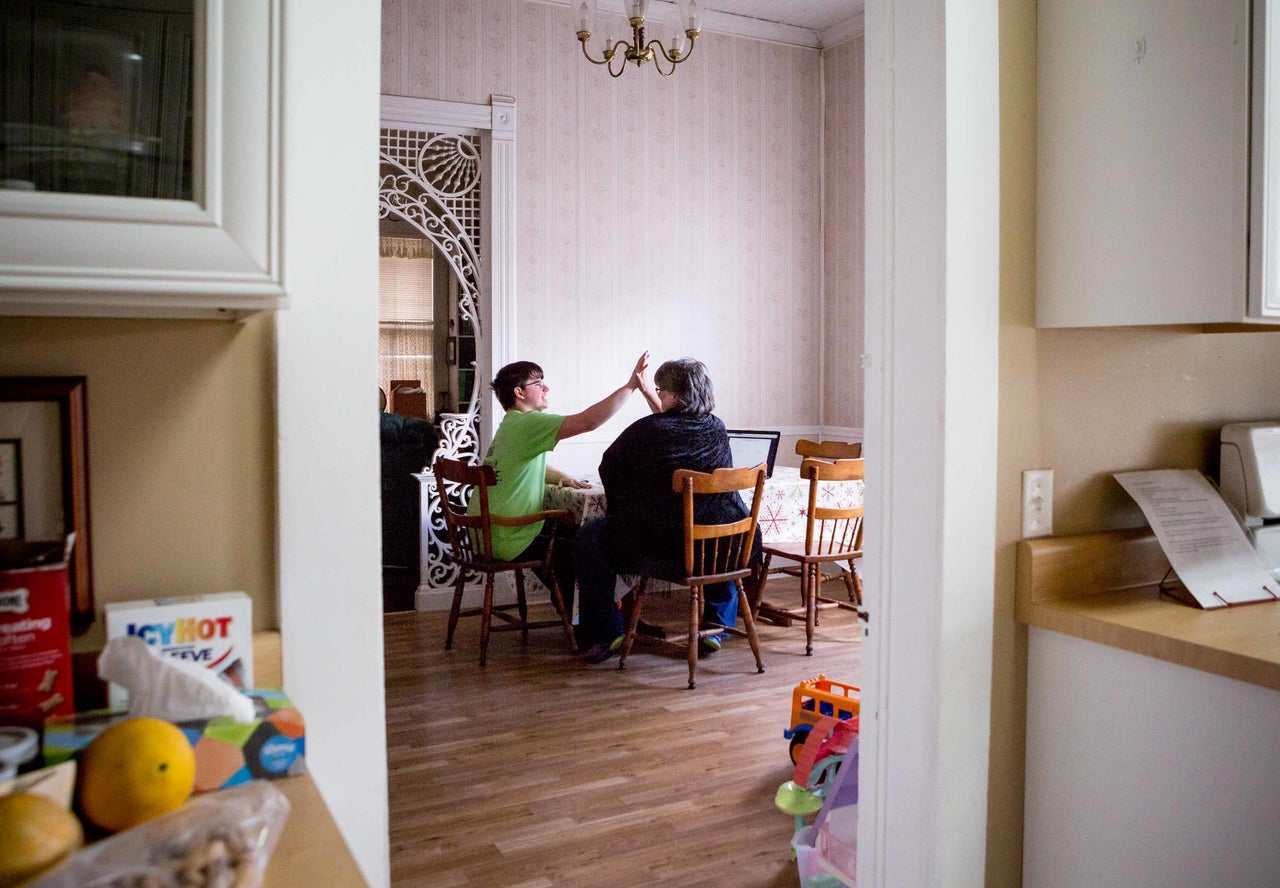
174	690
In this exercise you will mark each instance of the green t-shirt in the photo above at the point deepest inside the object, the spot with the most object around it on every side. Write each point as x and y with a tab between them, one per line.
518	454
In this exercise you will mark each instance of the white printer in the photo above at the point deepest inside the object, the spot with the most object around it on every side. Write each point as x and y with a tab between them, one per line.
1249	463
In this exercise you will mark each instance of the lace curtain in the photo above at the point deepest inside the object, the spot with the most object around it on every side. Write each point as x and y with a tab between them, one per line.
406	304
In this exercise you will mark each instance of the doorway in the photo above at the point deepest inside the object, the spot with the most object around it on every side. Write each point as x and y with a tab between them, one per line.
446	191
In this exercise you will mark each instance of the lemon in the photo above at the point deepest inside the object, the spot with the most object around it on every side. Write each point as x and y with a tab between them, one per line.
35	834
134	771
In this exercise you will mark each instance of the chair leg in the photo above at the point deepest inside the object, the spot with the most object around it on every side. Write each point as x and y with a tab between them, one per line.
455	609
853	580
763	610
522	606
765	562
750	623
486	615
557	601
812	577
695	618
633	620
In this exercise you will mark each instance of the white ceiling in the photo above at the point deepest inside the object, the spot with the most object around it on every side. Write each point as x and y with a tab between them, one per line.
814	15
800	22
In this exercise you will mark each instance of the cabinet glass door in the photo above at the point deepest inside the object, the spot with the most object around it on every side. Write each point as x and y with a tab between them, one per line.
97	97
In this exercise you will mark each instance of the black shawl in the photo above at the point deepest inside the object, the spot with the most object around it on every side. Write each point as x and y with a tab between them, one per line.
645	520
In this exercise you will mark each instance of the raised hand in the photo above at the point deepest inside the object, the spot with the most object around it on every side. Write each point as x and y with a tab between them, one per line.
642	365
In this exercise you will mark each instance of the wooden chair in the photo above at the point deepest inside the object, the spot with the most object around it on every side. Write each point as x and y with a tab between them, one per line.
471	539
831	535
713	553
829	450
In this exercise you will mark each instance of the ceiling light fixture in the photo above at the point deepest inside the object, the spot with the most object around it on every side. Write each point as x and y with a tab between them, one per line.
681	23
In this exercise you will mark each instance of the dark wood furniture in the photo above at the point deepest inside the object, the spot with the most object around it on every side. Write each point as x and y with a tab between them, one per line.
471	541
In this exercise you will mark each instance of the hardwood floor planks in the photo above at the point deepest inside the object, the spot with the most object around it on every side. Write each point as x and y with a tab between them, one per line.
540	771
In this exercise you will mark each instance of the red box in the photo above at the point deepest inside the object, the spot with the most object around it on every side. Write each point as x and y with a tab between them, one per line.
35	632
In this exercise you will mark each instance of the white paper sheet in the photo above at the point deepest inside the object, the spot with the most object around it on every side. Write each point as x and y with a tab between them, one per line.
1201	537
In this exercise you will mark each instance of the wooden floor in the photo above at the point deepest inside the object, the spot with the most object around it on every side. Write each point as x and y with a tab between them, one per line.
539	770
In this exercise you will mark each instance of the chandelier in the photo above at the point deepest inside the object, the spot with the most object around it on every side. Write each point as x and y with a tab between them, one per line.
682	22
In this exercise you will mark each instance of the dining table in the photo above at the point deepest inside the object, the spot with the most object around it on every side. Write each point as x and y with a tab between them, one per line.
784	505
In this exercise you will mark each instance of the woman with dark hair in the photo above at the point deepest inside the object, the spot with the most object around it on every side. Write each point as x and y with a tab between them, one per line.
643	525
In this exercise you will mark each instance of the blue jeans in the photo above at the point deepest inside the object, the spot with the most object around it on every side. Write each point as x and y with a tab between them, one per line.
599	619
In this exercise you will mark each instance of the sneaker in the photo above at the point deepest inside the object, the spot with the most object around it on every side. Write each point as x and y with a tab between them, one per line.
709	645
603	650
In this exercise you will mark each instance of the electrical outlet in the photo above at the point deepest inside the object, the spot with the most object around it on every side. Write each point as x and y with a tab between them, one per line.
1037	503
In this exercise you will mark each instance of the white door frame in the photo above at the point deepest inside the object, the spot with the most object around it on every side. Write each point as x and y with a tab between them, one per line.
495	124
932	105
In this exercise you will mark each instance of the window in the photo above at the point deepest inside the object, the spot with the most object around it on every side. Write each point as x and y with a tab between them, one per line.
406	328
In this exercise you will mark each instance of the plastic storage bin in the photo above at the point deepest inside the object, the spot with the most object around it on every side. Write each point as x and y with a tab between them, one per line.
812	873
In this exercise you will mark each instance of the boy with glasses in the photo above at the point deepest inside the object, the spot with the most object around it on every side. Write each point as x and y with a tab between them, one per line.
518	454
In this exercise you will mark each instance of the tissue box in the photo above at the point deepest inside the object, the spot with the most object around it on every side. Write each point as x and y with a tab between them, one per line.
227	753
214	630
35	632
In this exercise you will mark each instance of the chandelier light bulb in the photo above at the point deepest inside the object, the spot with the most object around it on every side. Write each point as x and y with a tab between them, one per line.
586	12
675	32
637	8
690	9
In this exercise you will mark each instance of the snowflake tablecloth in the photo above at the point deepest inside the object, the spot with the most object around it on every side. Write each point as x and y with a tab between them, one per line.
582	504
783	511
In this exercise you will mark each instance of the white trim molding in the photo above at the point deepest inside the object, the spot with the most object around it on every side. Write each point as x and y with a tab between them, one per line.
216	256
932	312
846	30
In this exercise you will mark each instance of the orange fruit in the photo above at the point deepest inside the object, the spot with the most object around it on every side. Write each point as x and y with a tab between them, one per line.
35	834
134	771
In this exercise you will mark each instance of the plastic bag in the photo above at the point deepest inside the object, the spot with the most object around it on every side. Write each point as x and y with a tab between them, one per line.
220	839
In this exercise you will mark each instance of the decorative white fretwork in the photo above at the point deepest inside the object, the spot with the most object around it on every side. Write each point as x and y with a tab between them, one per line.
459	439
432	181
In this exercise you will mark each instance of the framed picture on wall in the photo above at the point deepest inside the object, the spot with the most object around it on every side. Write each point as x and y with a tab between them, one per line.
44	472
10	489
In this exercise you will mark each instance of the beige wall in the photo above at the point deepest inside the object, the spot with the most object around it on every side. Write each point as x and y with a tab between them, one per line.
1113	400
181	450
1085	403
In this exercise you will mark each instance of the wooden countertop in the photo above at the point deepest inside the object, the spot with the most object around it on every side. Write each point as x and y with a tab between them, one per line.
1104	587
311	851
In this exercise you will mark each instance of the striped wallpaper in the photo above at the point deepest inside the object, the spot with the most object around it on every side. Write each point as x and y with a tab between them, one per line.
681	215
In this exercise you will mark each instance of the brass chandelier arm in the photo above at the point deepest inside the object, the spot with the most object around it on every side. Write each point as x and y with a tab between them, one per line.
675	57
660	52
610	54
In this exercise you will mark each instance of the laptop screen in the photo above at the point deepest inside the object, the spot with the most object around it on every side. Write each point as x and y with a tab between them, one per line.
751	447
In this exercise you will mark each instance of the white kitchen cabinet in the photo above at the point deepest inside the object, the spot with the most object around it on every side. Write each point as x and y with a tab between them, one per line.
1264	188
1143	164
216	254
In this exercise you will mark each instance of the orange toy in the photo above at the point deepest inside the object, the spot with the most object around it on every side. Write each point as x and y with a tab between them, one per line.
814	699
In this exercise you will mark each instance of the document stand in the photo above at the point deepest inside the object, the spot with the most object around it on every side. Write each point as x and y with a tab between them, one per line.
1173	587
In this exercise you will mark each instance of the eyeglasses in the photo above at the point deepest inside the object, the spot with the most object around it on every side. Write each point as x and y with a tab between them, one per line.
538	382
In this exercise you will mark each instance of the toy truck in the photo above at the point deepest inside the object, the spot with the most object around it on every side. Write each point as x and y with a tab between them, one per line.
814	698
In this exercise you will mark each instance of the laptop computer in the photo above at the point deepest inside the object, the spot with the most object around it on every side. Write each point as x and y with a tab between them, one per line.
750	447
